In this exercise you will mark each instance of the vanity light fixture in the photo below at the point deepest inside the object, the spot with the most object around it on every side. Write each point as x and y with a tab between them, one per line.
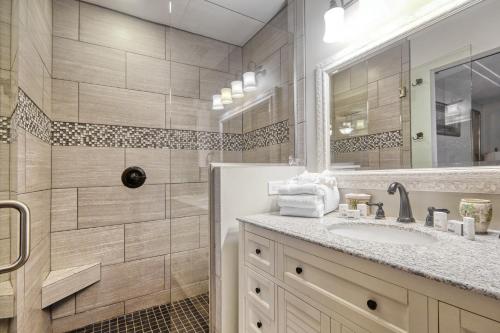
217	102
249	82
334	22
226	96
237	89
346	128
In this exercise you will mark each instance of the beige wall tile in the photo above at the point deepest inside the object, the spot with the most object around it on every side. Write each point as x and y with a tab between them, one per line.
5	92
385	64
30	72
189	199
39	25
47	94
204	231
192	114
190	290
147	239
4	167
38	164
123	281
186	166
82	62
66	19
109	28
39	205
64	100
167	272
87	166
147	301
148	74
390	158
64	210
236	60
100	206
5	10
4	218
211	82
272	78
167	201
384	118
88	317
155	162
185	234
185	80
63	308
197	50
115	106
18	162
5	45
388	90
87	246
189	267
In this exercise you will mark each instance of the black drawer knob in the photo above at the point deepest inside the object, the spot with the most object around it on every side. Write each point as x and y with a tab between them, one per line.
371	304
298	270
257	251
257	290
259	324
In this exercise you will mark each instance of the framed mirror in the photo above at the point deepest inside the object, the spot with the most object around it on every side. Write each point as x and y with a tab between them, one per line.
426	97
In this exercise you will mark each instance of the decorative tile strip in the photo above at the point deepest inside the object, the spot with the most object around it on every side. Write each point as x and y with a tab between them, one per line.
4	130
29	117
267	136
391	139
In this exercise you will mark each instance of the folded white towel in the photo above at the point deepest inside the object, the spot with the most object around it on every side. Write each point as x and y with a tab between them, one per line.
293	189
300	201
326	178
302	212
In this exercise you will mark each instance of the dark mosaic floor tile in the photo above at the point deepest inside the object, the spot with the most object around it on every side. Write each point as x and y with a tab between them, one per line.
185	316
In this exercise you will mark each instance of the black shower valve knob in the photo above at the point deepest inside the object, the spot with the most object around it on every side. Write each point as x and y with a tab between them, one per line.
133	177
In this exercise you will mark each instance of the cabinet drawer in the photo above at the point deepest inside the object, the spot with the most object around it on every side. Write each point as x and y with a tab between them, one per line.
300	316
256	321
259	251
348	292
261	292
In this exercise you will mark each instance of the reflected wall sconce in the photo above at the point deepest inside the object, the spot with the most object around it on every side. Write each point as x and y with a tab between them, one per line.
237	89
249	82
226	96
217	103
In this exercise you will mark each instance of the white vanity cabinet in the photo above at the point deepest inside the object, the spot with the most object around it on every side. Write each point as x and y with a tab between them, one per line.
292	286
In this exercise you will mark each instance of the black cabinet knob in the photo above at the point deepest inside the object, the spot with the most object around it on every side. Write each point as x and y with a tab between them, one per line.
371	304
259	324
257	290
298	270
257	251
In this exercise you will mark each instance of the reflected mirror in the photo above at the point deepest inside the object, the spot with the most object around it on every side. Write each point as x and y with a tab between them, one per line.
429	100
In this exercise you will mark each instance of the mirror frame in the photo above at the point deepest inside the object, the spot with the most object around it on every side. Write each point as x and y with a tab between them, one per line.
459	179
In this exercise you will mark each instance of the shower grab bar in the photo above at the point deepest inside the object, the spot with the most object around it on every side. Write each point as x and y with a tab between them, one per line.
24	234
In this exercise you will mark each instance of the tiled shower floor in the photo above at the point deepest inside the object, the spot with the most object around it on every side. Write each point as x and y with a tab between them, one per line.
186	316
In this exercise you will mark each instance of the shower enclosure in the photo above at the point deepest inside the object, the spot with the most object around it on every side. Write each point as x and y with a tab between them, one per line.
86	93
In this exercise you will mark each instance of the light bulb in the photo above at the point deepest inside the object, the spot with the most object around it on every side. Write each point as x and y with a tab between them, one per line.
334	25
217	102
249	82
226	96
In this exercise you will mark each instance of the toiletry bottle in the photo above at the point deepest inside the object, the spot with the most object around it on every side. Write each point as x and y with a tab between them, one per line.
469	228
441	221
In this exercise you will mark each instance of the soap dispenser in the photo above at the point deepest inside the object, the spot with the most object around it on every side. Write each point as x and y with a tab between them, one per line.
429	220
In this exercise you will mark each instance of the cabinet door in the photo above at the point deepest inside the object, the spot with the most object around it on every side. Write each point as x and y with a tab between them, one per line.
455	320
299	317
342	325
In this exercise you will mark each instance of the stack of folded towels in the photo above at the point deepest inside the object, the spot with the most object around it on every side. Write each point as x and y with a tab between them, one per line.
309	195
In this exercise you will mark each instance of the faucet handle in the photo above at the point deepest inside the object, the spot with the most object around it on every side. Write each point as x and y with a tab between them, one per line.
380	214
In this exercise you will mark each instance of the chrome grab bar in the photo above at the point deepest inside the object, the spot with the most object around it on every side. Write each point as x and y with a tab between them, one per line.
24	234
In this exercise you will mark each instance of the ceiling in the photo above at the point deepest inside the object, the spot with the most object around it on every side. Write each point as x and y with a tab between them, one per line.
231	21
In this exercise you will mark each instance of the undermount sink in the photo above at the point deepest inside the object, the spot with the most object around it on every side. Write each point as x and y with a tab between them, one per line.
382	234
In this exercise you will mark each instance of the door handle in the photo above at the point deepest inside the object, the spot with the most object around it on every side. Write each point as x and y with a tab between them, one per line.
24	234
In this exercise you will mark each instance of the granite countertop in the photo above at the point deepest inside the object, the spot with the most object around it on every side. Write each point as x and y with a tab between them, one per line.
470	265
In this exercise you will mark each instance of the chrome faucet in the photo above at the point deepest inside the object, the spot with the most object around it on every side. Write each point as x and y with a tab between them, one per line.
405	214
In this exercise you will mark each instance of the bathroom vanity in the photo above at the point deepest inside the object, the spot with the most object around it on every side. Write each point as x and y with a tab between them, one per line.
331	275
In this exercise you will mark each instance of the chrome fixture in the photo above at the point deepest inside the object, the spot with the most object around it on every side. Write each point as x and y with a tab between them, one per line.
24	234
405	214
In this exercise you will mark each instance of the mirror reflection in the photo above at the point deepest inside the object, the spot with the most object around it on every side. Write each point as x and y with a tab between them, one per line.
430	100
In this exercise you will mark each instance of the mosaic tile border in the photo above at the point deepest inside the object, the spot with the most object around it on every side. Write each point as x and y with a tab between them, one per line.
186	316
4	130
29	117
392	139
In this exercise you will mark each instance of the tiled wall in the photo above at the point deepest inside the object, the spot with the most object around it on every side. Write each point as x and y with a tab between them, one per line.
370	92
30	60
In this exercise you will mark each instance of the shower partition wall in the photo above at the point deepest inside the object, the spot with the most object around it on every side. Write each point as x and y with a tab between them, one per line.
88	92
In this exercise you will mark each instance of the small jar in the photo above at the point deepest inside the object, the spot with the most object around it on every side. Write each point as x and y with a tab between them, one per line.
479	209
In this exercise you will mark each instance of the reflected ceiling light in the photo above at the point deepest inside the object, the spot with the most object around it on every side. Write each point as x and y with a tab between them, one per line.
237	89
346	129
226	96
249	82
217	102
334	23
